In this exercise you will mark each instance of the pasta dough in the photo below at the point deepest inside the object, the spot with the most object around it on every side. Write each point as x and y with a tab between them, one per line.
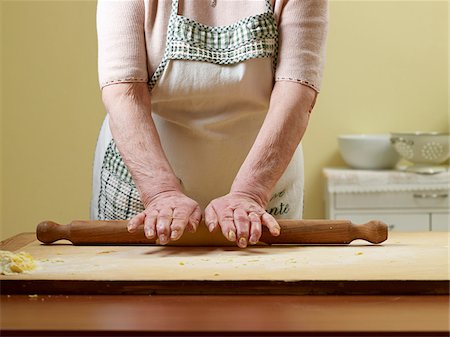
11	263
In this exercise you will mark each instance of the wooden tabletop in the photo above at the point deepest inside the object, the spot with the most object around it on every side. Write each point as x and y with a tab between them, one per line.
225	315
205	315
406	264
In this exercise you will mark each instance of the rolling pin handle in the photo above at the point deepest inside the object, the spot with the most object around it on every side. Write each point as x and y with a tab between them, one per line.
374	231
49	232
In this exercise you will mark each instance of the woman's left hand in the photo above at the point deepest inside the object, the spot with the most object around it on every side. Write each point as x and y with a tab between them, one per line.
240	218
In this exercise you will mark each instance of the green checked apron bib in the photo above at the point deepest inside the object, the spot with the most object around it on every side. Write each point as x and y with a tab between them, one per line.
210	95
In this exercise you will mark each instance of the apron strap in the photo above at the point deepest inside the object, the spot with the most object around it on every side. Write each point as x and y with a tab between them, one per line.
174	8
269	7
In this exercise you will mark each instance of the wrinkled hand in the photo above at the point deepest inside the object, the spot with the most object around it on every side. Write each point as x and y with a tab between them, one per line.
166	217
240	218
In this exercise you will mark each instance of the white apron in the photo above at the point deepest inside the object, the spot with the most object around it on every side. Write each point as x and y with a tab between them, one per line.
210	95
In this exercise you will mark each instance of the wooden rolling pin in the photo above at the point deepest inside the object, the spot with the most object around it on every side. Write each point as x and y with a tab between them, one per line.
292	232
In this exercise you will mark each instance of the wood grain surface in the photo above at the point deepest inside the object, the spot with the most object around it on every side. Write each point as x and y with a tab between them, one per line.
225	315
407	263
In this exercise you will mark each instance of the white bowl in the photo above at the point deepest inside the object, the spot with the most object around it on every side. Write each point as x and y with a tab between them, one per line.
368	151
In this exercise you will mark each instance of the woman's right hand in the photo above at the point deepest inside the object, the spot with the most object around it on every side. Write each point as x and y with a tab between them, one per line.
166	216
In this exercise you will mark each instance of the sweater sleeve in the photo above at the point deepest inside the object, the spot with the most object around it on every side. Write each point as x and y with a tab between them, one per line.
121	42
303	26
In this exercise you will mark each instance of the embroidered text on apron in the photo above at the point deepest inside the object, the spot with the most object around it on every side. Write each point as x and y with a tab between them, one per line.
210	95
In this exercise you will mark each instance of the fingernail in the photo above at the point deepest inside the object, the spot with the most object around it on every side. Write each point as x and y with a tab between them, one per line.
129	226
231	236
243	242
276	232
174	235
162	238
253	241
211	226
149	233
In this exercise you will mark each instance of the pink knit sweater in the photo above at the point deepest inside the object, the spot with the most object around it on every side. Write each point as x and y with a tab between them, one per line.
132	35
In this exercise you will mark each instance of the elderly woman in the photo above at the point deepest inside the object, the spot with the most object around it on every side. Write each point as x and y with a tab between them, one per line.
207	103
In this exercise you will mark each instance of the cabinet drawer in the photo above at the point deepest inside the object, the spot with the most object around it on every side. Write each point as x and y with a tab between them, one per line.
419	222
390	200
440	222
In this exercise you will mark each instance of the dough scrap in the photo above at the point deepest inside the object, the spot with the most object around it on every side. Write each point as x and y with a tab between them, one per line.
15	263
107	251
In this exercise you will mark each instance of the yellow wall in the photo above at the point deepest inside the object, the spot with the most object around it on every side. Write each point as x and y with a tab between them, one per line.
1	126
387	70
51	111
387	66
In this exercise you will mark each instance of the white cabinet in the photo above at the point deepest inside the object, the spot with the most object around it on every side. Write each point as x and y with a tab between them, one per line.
416	222
404	207
440	222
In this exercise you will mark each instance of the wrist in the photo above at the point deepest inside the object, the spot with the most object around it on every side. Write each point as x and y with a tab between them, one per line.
147	199
256	192
149	190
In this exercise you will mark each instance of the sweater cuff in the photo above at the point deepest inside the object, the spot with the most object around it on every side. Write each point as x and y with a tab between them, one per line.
301	81
125	80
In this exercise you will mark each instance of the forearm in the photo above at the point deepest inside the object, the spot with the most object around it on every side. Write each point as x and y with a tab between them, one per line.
136	137
282	130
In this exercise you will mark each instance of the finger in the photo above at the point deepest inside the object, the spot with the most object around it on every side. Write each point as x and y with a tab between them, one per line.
179	223
150	224
272	224
211	218
177	228
195	219
242	224
255	228
226	222
163	225
135	222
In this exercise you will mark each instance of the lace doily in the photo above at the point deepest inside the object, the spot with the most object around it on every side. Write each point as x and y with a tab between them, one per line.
358	181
